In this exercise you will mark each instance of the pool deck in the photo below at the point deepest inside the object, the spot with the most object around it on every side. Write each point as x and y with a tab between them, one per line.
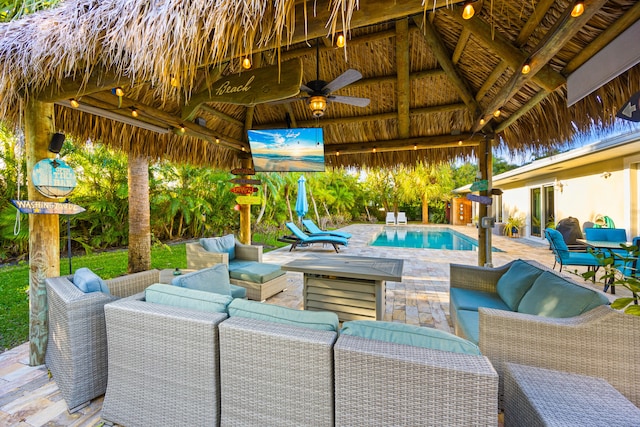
29	398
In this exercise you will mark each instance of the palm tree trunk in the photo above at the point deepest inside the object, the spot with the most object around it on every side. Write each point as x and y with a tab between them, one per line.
425	209
263	205
139	214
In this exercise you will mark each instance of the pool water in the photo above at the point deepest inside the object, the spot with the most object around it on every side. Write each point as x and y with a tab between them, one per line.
426	238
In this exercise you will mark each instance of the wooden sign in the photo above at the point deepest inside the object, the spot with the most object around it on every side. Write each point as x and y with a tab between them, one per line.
484	200
259	85
243	171
249	200
53	178
481	185
37	207
246	181
244	190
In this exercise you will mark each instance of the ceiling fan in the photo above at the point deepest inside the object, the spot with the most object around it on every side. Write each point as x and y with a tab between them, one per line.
318	92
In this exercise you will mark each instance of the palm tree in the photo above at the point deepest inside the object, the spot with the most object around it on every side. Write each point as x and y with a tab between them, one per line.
139	214
426	182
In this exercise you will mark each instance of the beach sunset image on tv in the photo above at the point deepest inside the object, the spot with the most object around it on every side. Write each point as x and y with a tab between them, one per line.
287	150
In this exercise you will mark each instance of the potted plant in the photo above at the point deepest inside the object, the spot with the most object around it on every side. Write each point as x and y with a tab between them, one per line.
513	225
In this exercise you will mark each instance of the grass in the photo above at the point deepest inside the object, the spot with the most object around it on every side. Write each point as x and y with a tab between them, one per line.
14	284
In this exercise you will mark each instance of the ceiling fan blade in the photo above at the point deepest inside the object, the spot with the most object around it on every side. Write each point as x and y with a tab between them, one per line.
287	100
342	80
350	100
305	88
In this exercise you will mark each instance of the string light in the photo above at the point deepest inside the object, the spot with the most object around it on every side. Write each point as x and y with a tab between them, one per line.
415	147
217	140
497	113
526	68
340	40
119	91
134	112
468	11
374	149
578	9
175	82
459	142
182	128
337	153
482	122
74	103
246	63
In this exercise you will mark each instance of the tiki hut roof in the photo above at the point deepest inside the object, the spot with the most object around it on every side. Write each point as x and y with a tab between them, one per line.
433	78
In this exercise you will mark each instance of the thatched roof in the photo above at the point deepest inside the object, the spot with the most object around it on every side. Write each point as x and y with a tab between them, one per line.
431	76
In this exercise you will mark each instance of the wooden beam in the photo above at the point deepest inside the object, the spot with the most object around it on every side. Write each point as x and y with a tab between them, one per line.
190	110
76	87
546	77
403	89
491	80
532	102
222	116
442	55
534	20
419	143
326	121
560	34
462	43
604	39
289	109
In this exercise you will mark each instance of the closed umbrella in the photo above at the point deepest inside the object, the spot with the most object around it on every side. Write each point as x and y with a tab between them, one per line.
302	206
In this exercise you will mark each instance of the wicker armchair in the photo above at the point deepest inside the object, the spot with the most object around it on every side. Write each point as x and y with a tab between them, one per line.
275	375
163	365
381	383
599	343
77	343
199	258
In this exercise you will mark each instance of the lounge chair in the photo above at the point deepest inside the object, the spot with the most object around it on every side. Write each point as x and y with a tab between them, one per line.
300	237
315	230
564	257
402	218
391	218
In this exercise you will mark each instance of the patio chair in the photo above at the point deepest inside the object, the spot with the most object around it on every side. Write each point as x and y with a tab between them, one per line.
299	237
315	230
77	347
564	257
391	218
402	219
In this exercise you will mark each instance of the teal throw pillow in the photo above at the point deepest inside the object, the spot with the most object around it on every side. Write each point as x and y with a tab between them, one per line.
212	279
220	244
516	281
553	296
322	320
187	298
88	281
401	333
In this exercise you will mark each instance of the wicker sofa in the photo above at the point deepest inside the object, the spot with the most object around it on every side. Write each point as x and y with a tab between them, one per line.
77	344
598	342
245	265
218	370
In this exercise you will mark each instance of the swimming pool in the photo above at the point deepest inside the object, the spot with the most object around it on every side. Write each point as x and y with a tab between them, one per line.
426	238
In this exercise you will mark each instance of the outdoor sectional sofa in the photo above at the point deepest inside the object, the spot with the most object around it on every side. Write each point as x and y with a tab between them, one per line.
191	360
246	269
525	313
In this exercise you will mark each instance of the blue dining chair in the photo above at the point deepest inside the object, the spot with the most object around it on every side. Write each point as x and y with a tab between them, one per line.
564	257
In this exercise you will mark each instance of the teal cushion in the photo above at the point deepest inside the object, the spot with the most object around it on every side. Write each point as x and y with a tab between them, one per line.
468	325
220	244
187	298
322	320
471	299
88	281
256	272
212	279
553	296
516	281
401	333
238	291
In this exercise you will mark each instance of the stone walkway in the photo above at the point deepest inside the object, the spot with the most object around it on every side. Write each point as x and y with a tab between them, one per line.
29	398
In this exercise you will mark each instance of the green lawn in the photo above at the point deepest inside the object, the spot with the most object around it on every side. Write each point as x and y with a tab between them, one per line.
14	285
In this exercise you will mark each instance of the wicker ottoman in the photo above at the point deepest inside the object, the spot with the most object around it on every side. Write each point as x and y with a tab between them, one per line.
542	397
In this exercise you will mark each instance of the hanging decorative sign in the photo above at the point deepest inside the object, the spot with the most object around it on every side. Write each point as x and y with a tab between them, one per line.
249	200
481	185
243	171
246	181
484	200
53	178
244	190
38	207
631	110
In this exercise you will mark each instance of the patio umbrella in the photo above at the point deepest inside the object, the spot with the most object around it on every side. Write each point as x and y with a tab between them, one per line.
302	206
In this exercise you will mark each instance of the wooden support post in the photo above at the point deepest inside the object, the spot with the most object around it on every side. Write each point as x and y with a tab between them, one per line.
482	208
44	230
245	211
488	144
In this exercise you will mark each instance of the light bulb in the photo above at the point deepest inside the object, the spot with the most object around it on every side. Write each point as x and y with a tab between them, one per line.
246	63
468	11
578	9
74	103
340	40
134	112
119	91
497	113
526	68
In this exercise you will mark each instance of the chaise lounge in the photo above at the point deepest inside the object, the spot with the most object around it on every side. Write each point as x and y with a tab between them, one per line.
315	230
301	238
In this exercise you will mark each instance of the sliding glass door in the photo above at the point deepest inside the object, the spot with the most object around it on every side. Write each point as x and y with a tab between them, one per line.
542	209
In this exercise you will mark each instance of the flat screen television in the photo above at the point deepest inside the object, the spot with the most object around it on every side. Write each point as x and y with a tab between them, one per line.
287	150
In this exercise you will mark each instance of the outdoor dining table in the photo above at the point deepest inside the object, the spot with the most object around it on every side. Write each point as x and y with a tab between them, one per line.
605	245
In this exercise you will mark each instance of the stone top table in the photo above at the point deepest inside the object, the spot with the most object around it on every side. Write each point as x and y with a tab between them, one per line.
352	287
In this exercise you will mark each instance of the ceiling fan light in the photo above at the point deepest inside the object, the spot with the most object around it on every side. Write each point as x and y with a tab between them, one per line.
578	9
317	104
468	11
